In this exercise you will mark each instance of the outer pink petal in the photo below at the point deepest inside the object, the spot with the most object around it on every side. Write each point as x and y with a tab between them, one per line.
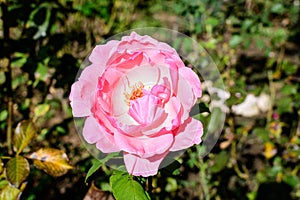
93	133
80	109
91	74
145	43
185	96
189	133
101	53
144	146
81	97
193	79
138	166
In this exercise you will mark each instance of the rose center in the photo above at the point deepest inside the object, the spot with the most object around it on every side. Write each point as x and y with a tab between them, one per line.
136	92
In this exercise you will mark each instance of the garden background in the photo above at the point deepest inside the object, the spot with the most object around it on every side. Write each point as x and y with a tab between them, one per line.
255	45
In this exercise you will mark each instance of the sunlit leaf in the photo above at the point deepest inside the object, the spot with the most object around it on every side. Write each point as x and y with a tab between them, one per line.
41	110
125	187
171	185
9	193
17	170
3	183
98	163
1	166
24	133
235	40
277	8
3	115
52	161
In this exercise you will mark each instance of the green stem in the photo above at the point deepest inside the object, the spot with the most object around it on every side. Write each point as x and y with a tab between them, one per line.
203	181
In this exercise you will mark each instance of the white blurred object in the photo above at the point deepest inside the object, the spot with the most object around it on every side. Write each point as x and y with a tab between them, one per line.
221	96
252	106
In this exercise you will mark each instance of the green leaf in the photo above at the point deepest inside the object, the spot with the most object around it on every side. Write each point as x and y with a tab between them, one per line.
41	110
3	183
9	193
220	161
2	77
292	180
24	133
289	89
3	115
212	21
277	8
235	40
96	164
17	170
261	133
289	68
247	23
284	105
171	185
124	187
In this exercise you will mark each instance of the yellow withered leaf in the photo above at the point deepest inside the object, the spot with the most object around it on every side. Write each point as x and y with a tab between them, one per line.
1	166
52	161
270	150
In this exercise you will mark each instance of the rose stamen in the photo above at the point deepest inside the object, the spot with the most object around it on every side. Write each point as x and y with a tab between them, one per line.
136	92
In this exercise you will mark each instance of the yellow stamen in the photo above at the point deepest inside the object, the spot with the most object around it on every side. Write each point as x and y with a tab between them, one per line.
136	92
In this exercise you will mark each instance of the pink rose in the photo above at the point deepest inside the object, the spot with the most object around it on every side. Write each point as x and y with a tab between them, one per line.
136	96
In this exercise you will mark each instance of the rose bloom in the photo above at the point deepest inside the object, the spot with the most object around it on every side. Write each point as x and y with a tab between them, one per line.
136	96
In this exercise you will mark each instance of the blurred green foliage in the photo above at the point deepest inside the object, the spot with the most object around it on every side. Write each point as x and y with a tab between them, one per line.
254	44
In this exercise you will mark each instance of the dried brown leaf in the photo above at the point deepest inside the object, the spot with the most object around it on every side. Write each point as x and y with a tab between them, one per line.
52	161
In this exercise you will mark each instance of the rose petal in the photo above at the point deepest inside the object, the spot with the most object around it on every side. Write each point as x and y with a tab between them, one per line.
188	134
192	78
138	166
144	146
185	96
80	109
81	98
93	133
174	73
145	43
101	53
143	74
91	73
126	61
174	110
146	110
162	92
